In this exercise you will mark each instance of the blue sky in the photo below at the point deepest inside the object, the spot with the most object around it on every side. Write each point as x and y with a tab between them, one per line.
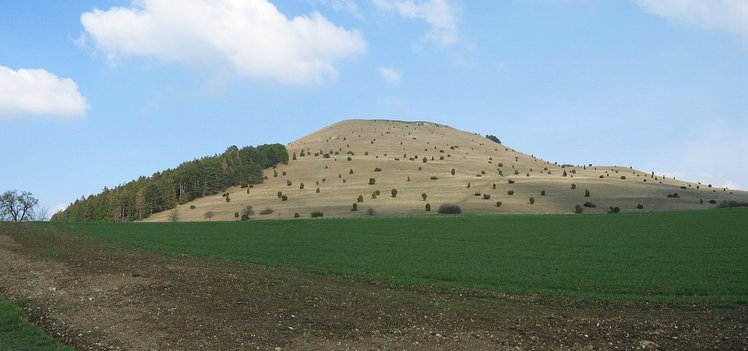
97	93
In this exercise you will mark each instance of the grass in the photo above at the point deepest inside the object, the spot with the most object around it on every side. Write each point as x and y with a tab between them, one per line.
16	333
675	256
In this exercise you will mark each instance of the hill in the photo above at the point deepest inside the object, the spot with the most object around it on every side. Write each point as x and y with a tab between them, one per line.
333	168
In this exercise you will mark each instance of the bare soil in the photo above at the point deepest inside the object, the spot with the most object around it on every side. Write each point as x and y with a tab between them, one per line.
97	295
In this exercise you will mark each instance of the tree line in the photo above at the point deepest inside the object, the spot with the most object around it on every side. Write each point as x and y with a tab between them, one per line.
145	196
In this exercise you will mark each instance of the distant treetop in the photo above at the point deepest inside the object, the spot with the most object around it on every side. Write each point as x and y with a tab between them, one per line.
493	138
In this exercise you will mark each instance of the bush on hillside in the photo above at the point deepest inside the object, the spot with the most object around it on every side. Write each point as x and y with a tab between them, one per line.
449	209
316	214
731	203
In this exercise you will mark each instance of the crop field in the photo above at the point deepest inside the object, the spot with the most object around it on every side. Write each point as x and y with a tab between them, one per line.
675	256
629	281
18	334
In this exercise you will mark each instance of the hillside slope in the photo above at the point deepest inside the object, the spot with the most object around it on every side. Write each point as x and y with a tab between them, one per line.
335	164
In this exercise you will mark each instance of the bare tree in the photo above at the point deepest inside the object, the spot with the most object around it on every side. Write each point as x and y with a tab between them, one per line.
209	215
17	206
173	216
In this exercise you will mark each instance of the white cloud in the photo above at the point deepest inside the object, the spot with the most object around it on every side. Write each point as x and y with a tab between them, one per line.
389	74
26	92
441	16
348	6
726	15
250	37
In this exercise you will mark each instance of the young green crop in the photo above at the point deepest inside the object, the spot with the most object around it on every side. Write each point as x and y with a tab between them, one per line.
16	333
676	256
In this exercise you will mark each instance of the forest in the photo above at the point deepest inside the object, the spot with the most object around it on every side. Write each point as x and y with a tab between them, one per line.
138	199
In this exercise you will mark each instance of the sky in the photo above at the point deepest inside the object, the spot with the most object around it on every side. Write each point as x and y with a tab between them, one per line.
96	93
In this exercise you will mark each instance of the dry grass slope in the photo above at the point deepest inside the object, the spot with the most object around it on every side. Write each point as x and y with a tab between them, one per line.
336	165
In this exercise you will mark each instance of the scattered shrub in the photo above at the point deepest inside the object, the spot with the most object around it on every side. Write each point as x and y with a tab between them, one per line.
289	182
301	186
573	186
510	192
296	215
424	196
731	203
393	192
578	209
624	178
586	193
673	195
372	181
532	200
589	204
284	198
377	169
350	171
450	209
640	206
236	214
712	202
434	178
370	211
453	171
477	193
542	193
425	159
614	210
280	194
468	186
498	203
228	198
510	181
354	208
316	214
486	196
266	211
316	190
192	207
428	207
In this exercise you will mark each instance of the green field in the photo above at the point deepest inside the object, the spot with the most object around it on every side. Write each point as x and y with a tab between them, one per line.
18	334
677	256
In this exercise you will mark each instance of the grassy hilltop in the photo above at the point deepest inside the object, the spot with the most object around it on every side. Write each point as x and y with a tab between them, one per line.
362	161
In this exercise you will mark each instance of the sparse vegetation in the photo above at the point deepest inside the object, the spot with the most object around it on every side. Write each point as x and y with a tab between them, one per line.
354	208
393	192
316	214
586	193
589	204
266	211
499	203
449	209
372	181
510	192
578	209
424	196
532	200
731	203
486	196
428	207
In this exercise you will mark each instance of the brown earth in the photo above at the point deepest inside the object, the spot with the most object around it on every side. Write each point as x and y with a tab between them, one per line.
98	295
